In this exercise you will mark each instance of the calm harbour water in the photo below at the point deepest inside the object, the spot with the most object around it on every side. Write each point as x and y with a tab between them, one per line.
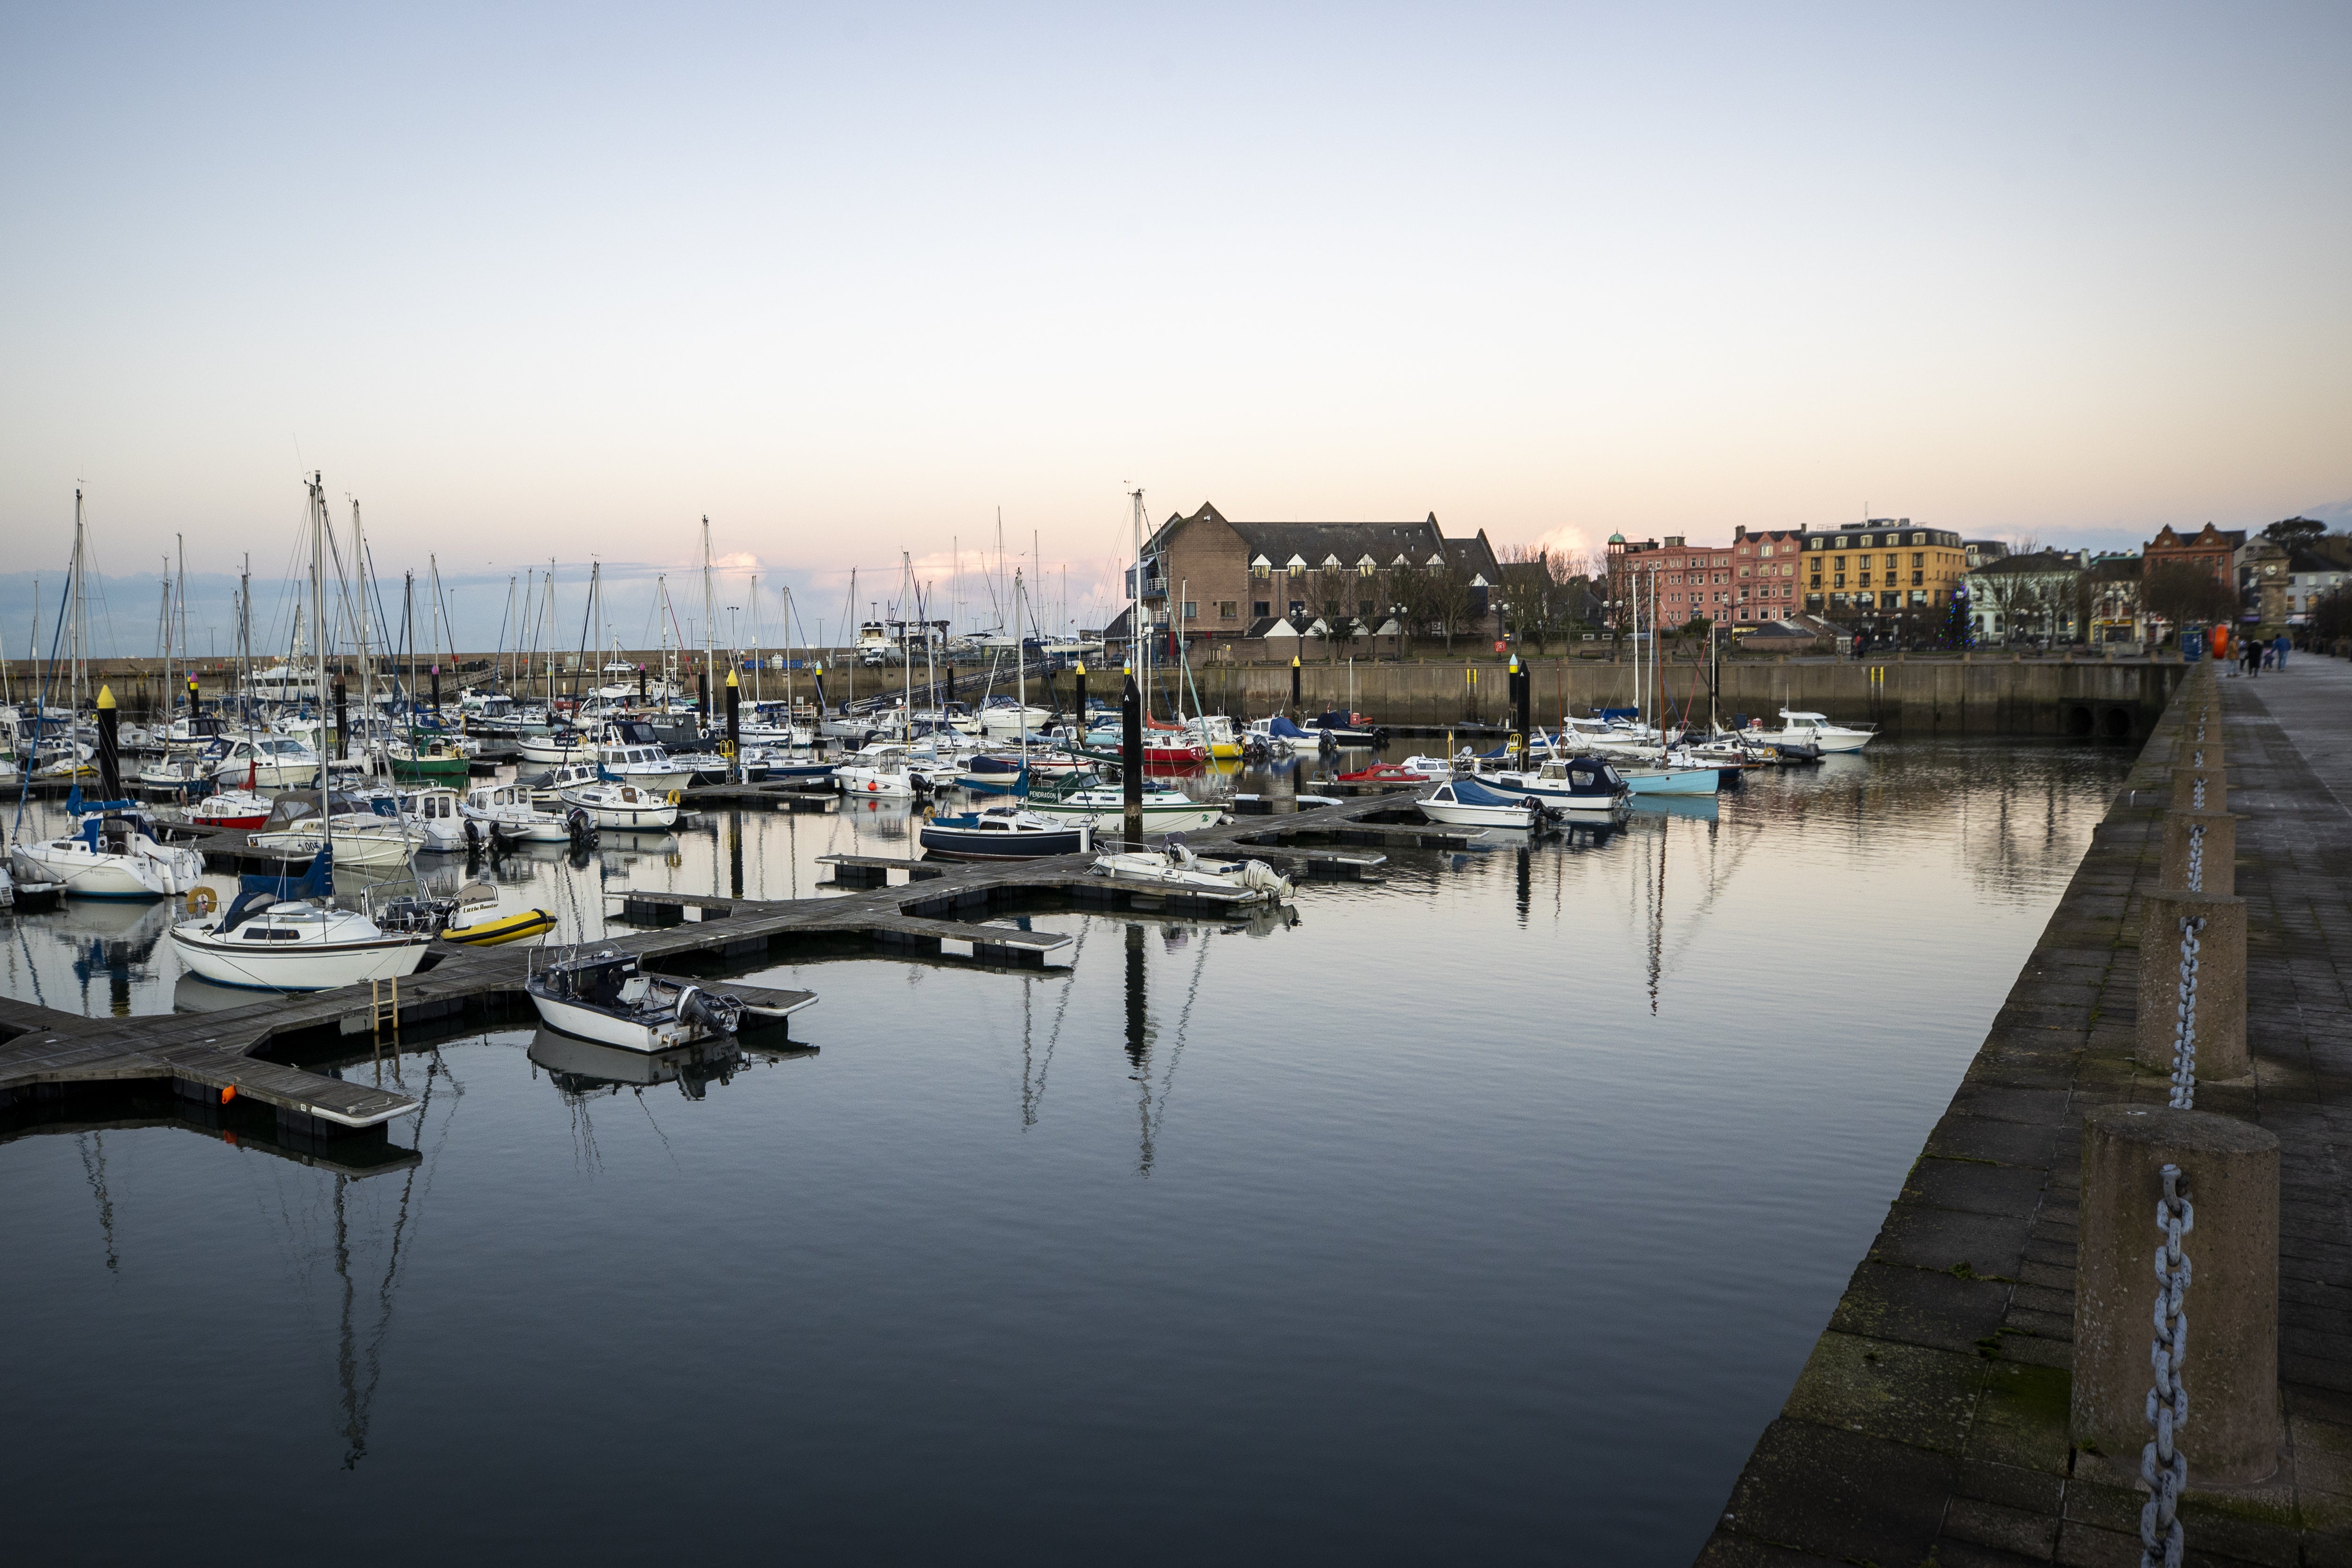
1486	1214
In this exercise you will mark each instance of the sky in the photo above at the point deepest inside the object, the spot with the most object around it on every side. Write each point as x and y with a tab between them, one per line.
560	281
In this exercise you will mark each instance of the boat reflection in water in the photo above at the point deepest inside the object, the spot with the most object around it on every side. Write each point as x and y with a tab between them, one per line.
582	1068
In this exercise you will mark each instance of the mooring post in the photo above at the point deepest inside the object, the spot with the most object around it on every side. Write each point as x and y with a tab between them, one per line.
1130	753
342	720
2201	788
735	729
2200	852
2229	1174
1294	684
110	745
2193	977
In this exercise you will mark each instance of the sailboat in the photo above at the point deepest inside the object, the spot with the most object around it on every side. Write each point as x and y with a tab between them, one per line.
288	937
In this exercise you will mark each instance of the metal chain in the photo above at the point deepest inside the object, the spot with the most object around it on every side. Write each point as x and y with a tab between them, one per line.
2195	857
2162	1464
2184	1029
2197	802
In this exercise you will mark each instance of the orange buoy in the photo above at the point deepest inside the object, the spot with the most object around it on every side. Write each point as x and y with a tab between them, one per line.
229	1093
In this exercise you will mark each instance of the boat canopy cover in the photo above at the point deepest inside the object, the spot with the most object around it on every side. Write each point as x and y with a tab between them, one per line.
1470	792
1281	728
1618	713
77	807
256	893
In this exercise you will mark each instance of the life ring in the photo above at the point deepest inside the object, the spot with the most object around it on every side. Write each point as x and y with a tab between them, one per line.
675	797
201	901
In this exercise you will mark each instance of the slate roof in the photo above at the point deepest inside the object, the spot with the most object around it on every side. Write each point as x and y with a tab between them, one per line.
1348	543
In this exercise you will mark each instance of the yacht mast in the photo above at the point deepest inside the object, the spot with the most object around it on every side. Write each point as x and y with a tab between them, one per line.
319	635
709	617
755	639
367	663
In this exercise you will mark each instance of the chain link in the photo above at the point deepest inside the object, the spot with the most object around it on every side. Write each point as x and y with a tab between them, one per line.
2195	857
2162	1464
2184	1029
2197	801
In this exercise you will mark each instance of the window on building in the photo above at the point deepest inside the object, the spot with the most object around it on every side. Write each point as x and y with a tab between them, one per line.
1226	608
1744	571
1192	609
1261	572
1889	601
1864	577
1917	577
1918	559
1261	607
1837	579
1299	607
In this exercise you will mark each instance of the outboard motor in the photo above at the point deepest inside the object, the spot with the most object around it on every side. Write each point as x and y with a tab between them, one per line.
581	825
714	1010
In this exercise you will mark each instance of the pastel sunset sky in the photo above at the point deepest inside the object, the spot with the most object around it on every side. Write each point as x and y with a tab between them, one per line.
557	281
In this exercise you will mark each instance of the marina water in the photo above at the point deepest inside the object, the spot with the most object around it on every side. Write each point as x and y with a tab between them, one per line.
1484	1214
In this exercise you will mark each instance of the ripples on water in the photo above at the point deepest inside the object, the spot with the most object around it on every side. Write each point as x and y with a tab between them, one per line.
1486	1214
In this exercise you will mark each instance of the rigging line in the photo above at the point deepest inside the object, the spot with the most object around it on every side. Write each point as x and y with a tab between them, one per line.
25	774
659	1133
96	1172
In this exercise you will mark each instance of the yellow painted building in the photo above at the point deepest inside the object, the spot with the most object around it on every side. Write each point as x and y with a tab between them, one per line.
1883	567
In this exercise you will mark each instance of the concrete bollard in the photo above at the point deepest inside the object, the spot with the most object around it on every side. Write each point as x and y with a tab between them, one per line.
2221	983
2217	789
2231	1178
2218	862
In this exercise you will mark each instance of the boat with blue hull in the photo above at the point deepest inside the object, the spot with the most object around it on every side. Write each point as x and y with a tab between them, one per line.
1579	786
1003	833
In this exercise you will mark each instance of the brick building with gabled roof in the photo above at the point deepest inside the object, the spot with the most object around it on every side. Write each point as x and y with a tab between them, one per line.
1220	581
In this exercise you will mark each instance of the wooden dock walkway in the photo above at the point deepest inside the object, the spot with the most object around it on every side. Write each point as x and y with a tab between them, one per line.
208	1061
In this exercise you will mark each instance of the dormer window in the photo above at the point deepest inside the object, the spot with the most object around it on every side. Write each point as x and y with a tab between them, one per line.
1260	567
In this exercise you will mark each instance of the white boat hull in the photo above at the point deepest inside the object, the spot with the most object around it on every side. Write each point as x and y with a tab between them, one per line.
88	875
359	850
296	966
591	1023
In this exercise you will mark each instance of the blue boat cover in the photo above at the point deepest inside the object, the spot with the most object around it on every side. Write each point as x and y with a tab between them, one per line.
1470	792
1631	713
1282	728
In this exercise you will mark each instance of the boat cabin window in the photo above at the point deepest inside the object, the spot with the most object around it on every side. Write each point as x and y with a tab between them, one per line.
1581	778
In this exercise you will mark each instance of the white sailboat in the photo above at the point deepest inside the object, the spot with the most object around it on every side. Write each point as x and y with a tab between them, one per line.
265	938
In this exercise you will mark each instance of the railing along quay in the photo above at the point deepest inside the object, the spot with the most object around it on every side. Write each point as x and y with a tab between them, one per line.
205	1063
2105	1320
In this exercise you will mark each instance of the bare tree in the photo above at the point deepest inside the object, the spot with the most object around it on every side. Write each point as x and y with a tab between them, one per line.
2185	592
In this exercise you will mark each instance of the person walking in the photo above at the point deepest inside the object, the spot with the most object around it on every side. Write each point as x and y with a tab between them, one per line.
2279	646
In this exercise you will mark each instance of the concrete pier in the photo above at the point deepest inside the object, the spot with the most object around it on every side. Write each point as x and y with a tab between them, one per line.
1930	1423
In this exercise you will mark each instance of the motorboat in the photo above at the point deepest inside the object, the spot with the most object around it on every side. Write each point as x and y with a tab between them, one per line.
114	854
1465	802
1578	785
267	762
1165	811
509	813
606	996
365	841
546	790
646	765
1173	868
182	772
879	774
556	747
1281	735
1003	833
1390	773
1669	777
430	758
1349	731
1815	730
622	805
1215	735
230	808
439	818
1009	718
471	917
281	934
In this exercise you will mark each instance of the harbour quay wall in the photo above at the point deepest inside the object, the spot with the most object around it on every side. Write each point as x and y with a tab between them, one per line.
1931	1422
2119	700
1940	694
